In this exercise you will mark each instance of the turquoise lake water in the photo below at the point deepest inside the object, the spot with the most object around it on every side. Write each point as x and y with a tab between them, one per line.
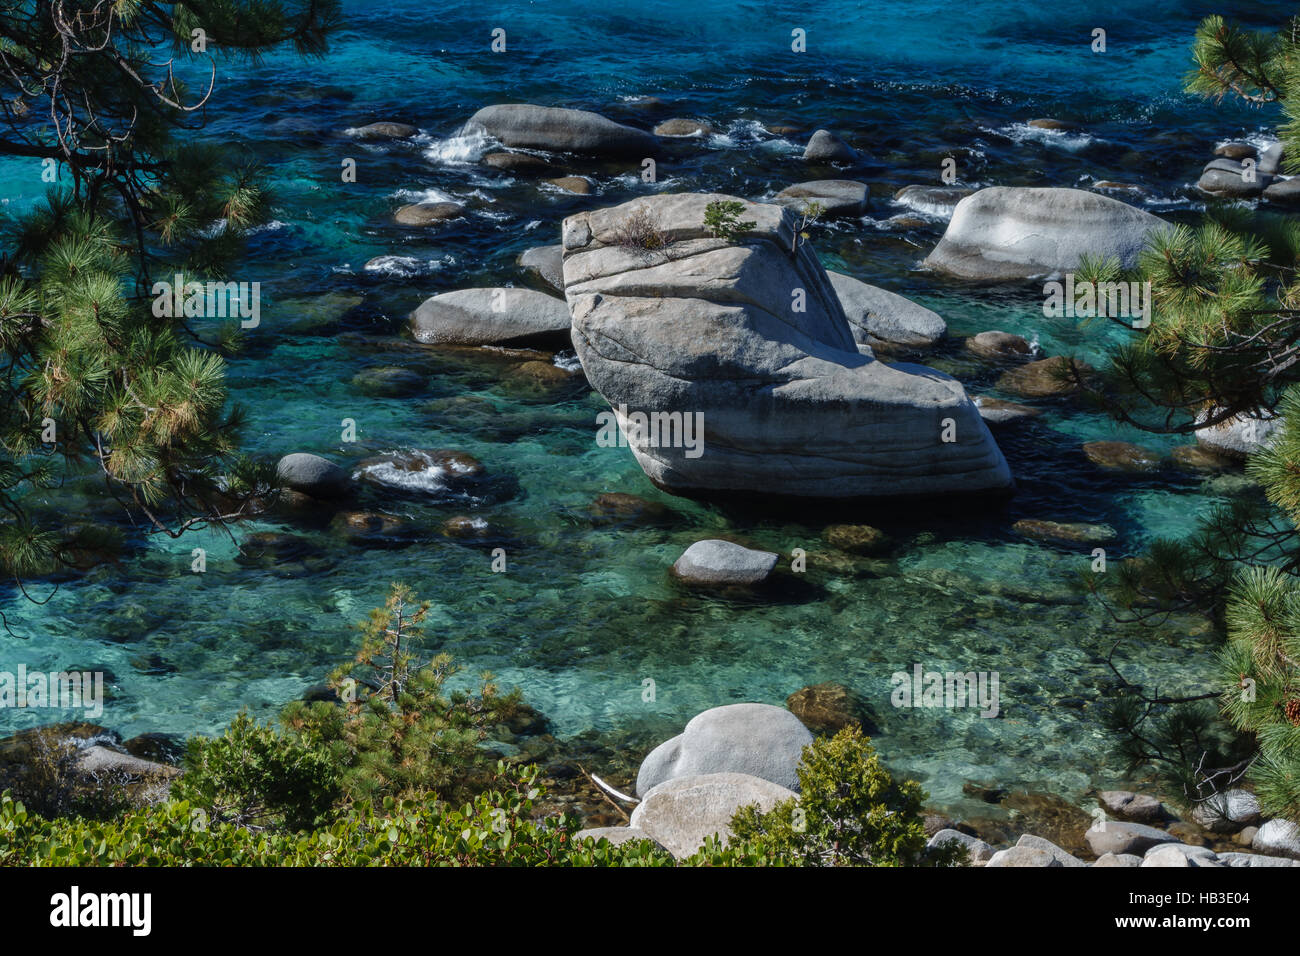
585	614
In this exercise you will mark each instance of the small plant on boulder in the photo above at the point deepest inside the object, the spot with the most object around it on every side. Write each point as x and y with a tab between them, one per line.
722	219
641	232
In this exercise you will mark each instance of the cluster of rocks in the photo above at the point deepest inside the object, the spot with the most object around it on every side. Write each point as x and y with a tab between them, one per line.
690	786
732	756
1241	171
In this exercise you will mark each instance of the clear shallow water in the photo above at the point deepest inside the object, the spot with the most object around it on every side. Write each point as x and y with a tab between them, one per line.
585	614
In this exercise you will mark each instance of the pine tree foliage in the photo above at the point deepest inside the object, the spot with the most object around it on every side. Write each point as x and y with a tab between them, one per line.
400	731
1224	341
110	95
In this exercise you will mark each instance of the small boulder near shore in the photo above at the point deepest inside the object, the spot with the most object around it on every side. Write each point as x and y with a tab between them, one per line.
491	316
1020	232
680	814
755	739
721	563
525	126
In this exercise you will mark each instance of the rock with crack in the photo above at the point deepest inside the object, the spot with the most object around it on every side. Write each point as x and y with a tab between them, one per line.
751	335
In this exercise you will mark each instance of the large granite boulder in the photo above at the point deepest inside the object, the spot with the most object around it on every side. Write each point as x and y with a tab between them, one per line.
525	126
878	316
680	814
491	317
756	739
1017	232
752	336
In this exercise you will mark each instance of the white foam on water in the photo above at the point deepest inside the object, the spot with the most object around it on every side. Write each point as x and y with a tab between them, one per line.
532	225
1061	139
432	194
567	360
431	479
404	266
460	149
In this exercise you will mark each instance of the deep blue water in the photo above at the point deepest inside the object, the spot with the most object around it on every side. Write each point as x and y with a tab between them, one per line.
585	614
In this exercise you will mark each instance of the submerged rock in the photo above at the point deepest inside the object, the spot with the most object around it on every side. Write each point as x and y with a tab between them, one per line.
825	709
384	130
525	126
856	538
1059	532
373	529
679	128
1018	232
1198	458
389	381
789	405
523	163
1045	378
756	739
1000	346
490	317
1121	456
427	213
616	507
877	315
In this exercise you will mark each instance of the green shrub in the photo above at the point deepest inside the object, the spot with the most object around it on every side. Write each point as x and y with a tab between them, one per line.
722	219
396	732
253	777
494	829
850	812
